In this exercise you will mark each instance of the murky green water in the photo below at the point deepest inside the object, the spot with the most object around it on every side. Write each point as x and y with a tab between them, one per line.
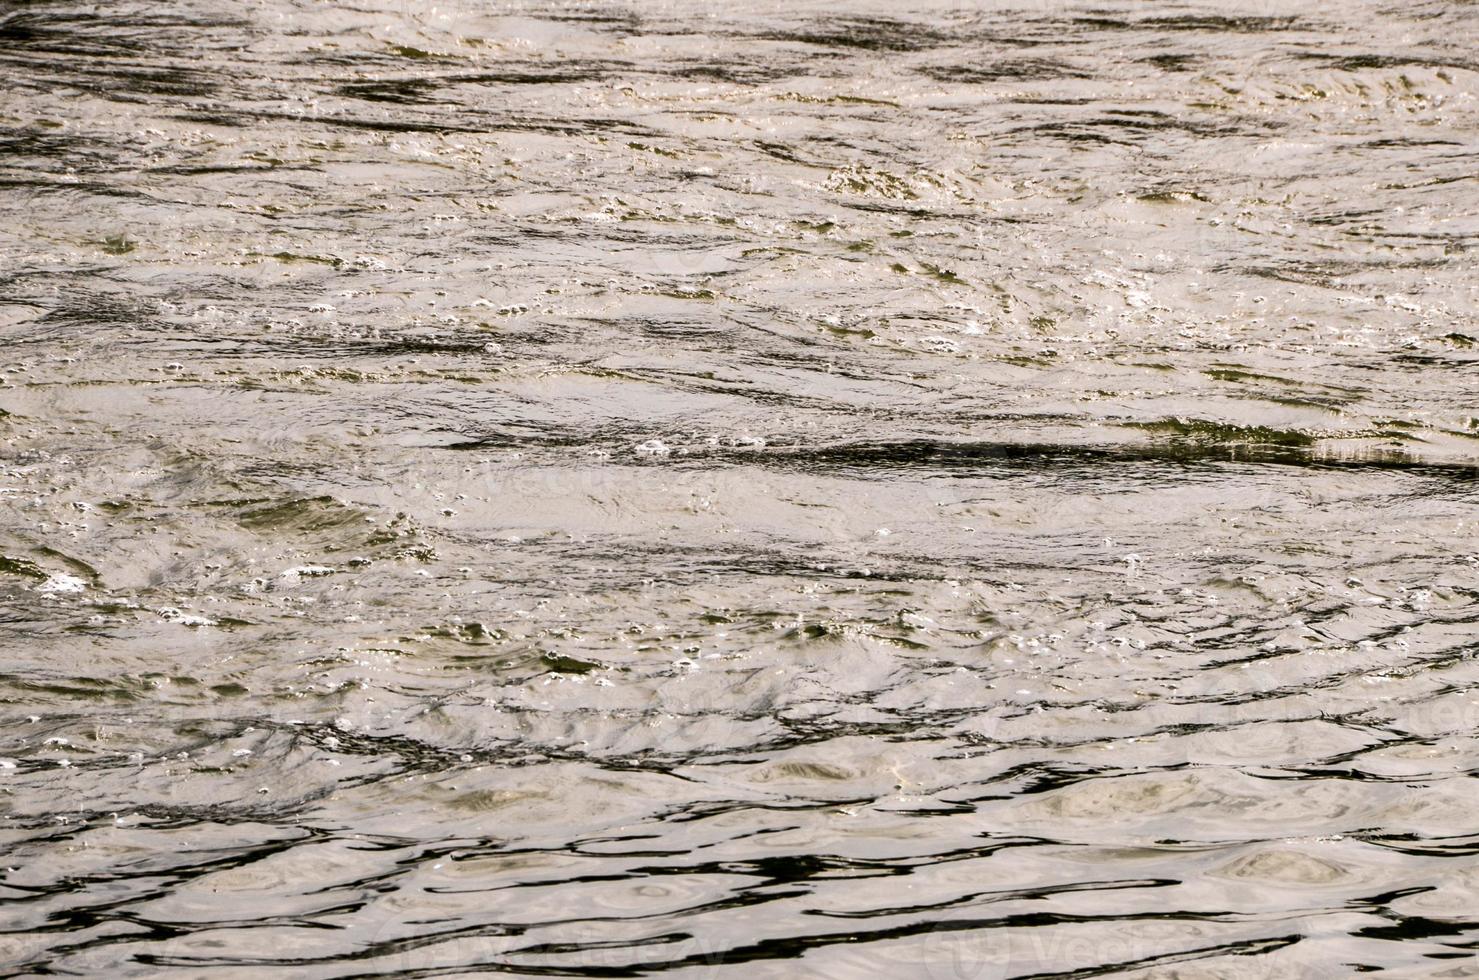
751	490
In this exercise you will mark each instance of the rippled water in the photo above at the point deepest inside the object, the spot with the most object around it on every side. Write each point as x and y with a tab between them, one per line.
750	490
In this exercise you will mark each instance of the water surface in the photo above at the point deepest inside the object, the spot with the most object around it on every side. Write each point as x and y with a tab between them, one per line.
750	490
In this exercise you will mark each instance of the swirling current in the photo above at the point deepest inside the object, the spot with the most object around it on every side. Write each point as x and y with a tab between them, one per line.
948	490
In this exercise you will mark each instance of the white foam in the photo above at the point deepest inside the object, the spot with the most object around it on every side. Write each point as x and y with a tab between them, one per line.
173	615
653	447
60	584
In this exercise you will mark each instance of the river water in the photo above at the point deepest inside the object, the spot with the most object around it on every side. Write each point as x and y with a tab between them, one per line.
758	490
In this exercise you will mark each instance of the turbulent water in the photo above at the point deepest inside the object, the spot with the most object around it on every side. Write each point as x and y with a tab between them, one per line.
739	490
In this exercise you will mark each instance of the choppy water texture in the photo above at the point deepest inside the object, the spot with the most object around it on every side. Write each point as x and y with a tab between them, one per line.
739	490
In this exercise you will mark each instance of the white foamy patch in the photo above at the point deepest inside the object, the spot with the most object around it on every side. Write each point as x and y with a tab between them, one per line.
939	345
653	447
60	584
172	615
